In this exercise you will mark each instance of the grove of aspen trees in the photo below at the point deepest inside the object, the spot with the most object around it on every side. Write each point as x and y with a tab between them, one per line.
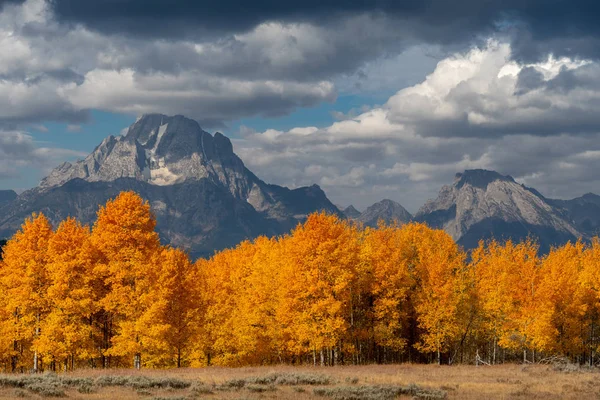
331	292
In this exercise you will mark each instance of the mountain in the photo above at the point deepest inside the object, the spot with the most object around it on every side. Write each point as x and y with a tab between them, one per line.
203	196
386	210
482	204
7	196
584	211
350	212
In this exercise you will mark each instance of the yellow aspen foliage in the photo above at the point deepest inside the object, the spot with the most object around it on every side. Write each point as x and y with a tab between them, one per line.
171	310
254	319
561	304
440	288
317	277
125	238
590	292
507	278
67	331
330	293
218	291
25	281
388	252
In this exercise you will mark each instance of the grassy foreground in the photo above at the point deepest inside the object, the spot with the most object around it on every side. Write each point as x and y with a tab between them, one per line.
375	382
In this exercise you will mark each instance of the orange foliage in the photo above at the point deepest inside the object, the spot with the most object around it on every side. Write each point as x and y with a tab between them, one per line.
328	293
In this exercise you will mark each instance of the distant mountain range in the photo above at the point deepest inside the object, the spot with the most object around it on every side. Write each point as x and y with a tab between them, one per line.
481	204
203	196
387	210
205	199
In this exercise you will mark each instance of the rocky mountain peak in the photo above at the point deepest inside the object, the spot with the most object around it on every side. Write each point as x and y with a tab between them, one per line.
161	150
584	211
202	194
386	210
481	204
223	144
479	178
591	197
351	212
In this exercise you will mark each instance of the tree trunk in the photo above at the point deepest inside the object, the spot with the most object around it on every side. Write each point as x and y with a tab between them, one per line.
14	359
592	346
178	358
35	354
322	357
137	361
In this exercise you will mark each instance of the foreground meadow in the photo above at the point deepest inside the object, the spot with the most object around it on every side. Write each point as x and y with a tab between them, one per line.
374	382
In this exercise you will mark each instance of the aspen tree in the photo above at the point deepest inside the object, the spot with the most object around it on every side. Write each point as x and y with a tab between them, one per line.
172	307
66	332
319	272
125	237
25	281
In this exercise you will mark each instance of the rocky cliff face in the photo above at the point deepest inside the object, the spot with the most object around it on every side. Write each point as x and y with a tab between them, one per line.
387	210
204	197
483	204
162	151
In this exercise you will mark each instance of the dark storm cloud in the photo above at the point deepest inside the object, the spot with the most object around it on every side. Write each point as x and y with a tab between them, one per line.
181	17
5	2
539	27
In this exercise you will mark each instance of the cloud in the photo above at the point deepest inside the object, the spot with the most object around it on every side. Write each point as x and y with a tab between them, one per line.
536	28
192	94
73	128
40	128
504	104
221	61
19	153
484	93
57	71
477	109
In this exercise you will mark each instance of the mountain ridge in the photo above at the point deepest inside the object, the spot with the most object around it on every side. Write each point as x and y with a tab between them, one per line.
201	192
482	204
387	210
205	198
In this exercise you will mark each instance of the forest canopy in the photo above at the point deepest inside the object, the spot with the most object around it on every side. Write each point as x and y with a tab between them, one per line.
331	292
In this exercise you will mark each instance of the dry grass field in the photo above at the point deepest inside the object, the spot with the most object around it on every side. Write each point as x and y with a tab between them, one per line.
375	382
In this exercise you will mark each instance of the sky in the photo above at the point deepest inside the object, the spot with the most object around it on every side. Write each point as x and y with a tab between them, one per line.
368	99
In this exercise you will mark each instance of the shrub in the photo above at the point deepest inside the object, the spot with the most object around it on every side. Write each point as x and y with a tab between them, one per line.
378	392
86	388
260	388
292	379
232	384
76	381
46	389
201	388
142	382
